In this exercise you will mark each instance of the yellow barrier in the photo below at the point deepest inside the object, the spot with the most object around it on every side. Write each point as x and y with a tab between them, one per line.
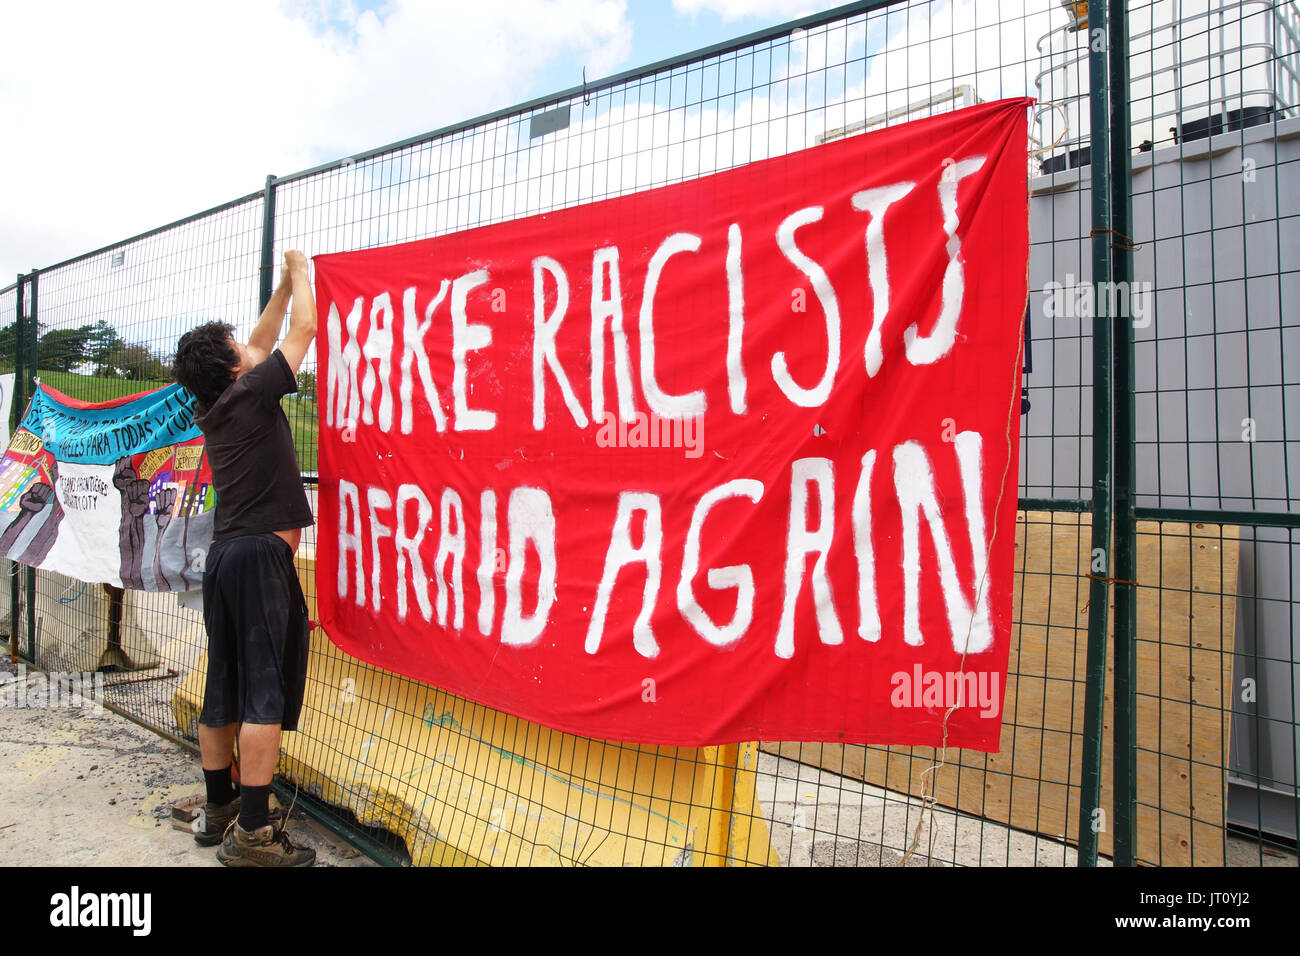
466	785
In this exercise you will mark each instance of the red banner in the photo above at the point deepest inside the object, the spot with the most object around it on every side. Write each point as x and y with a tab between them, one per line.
727	460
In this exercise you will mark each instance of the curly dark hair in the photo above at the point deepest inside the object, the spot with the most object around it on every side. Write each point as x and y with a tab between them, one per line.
205	357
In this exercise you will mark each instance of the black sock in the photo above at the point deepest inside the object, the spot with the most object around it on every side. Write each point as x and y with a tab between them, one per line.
253	806
220	788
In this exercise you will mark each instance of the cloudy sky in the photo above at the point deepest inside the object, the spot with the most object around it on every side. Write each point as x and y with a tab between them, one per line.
123	116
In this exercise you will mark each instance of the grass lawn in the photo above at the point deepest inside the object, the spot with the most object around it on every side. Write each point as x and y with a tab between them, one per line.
301	412
304	422
90	388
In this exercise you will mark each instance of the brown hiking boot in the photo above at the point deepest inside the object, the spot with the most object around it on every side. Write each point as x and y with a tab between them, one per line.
214	819
263	847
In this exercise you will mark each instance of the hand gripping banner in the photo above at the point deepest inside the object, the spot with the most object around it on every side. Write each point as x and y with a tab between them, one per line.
118	492
726	460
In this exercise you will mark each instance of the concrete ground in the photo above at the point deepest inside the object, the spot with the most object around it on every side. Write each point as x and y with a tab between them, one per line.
817	818
82	788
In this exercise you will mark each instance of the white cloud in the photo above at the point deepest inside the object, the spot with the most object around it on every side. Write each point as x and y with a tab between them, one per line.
423	66
774	10
132	115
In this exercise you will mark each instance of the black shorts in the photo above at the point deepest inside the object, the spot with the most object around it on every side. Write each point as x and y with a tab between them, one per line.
257	626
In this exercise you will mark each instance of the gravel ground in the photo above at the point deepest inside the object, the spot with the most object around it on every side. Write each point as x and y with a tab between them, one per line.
84	786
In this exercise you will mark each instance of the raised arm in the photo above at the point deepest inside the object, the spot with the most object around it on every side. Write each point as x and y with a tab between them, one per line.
262	340
302	316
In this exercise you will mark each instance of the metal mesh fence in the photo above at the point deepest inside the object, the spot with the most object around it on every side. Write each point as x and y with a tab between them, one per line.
424	776
106	325
1216	229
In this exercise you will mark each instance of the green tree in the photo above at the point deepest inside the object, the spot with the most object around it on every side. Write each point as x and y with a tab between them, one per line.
307	385
8	346
9	343
62	350
137	363
102	342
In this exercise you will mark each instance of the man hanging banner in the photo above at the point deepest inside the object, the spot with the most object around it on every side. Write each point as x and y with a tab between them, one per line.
118	492
724	460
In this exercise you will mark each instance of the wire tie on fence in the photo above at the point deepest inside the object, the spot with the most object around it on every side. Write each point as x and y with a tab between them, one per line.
1102	577
1128	243
586	100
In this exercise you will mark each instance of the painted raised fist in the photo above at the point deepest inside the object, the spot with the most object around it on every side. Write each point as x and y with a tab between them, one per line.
163	505
36	497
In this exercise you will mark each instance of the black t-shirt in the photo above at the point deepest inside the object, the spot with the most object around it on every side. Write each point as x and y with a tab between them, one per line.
250	449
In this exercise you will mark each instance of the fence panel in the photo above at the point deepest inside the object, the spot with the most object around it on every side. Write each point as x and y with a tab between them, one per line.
108	323
431	778
882	64
1216	100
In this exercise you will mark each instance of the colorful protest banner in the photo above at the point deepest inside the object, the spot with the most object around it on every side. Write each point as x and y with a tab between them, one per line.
117	492
725	460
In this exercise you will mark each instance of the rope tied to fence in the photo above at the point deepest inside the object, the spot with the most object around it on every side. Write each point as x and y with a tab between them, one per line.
1128	245
1106	580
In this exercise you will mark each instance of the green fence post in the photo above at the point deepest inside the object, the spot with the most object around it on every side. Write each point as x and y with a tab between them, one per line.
1091	813
1123	385
19	403
268	244
29	389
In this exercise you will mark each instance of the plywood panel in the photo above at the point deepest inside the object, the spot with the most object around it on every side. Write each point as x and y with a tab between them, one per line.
1185	643
1186	606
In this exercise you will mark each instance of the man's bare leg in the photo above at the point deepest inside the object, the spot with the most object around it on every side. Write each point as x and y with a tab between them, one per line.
248	843
259	751
217	750
217	746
